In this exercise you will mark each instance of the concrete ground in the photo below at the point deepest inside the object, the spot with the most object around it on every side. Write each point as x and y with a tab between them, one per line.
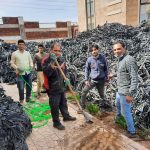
76	135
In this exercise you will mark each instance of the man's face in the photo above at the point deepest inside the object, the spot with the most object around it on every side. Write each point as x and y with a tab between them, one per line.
95	51
41	49
118	50
21	46
56	50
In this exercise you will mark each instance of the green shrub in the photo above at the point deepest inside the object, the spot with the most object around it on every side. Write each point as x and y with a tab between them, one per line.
70	97
93	108
121	121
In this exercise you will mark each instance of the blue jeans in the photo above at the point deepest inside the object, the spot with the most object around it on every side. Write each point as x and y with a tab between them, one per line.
124	108
21	81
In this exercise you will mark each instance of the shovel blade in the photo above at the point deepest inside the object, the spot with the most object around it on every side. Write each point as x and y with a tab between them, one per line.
88	117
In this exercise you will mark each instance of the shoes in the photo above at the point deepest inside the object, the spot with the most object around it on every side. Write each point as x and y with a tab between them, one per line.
27	100
69	118
21	102
130	135
79	111
59	127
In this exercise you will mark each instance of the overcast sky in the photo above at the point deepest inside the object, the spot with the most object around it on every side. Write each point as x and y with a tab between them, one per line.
40	10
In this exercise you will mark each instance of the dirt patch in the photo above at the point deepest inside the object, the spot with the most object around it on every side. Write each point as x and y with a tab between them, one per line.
101	139
108	120
97	137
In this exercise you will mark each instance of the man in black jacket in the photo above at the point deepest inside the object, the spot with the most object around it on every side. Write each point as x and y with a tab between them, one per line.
56	88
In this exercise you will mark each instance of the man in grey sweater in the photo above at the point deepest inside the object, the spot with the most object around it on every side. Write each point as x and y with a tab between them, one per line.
127	79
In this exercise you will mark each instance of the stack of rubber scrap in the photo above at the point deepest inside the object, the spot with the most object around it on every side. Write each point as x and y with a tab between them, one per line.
76	51
15	125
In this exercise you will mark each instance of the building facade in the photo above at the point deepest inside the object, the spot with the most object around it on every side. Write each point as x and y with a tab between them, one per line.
92	13
14	28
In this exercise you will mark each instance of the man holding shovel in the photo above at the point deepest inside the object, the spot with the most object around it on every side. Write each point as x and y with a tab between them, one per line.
96	74
56	86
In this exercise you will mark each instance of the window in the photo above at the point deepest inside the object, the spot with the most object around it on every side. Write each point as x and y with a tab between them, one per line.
145	11
145	1
90	14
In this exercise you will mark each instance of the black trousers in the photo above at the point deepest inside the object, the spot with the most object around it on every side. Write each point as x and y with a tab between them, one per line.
58	102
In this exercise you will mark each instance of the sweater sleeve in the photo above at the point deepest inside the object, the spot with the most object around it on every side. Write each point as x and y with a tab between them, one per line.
34	60
133	72
30	61
13	61
105	68
47	70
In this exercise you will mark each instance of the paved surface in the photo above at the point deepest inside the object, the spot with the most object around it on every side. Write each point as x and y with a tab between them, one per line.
49	138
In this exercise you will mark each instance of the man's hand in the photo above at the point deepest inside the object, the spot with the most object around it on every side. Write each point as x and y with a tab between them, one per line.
129	99
87	83
110	76
67	82
19	70
53	56
53	66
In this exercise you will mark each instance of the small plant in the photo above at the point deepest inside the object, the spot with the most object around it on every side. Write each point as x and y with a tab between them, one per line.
70	97
93	108
121	121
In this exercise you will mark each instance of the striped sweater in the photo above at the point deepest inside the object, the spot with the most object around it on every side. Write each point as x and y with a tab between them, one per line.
127	76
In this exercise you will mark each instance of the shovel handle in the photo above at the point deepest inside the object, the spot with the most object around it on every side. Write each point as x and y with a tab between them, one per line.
69	86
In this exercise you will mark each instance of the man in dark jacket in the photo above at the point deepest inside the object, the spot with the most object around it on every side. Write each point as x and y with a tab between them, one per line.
96	73
56	88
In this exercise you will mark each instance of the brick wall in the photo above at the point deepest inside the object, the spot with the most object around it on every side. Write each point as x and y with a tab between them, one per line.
31	24
61	24
74	31
12	26
9	31
10	20
46	35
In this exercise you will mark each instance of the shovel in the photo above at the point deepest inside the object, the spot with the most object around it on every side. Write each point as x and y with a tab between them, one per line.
87	116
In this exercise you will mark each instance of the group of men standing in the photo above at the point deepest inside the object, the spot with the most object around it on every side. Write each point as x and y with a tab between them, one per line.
96	75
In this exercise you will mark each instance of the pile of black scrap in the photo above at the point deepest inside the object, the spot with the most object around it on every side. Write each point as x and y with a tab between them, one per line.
15	125
76	51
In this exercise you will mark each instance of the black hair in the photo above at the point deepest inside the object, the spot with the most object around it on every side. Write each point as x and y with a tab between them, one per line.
95	46
21	41
40	45
120	42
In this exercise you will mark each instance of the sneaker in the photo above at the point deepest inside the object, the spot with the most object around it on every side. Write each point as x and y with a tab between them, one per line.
79	111
21	102
131	135
27	100
69	118
59	127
